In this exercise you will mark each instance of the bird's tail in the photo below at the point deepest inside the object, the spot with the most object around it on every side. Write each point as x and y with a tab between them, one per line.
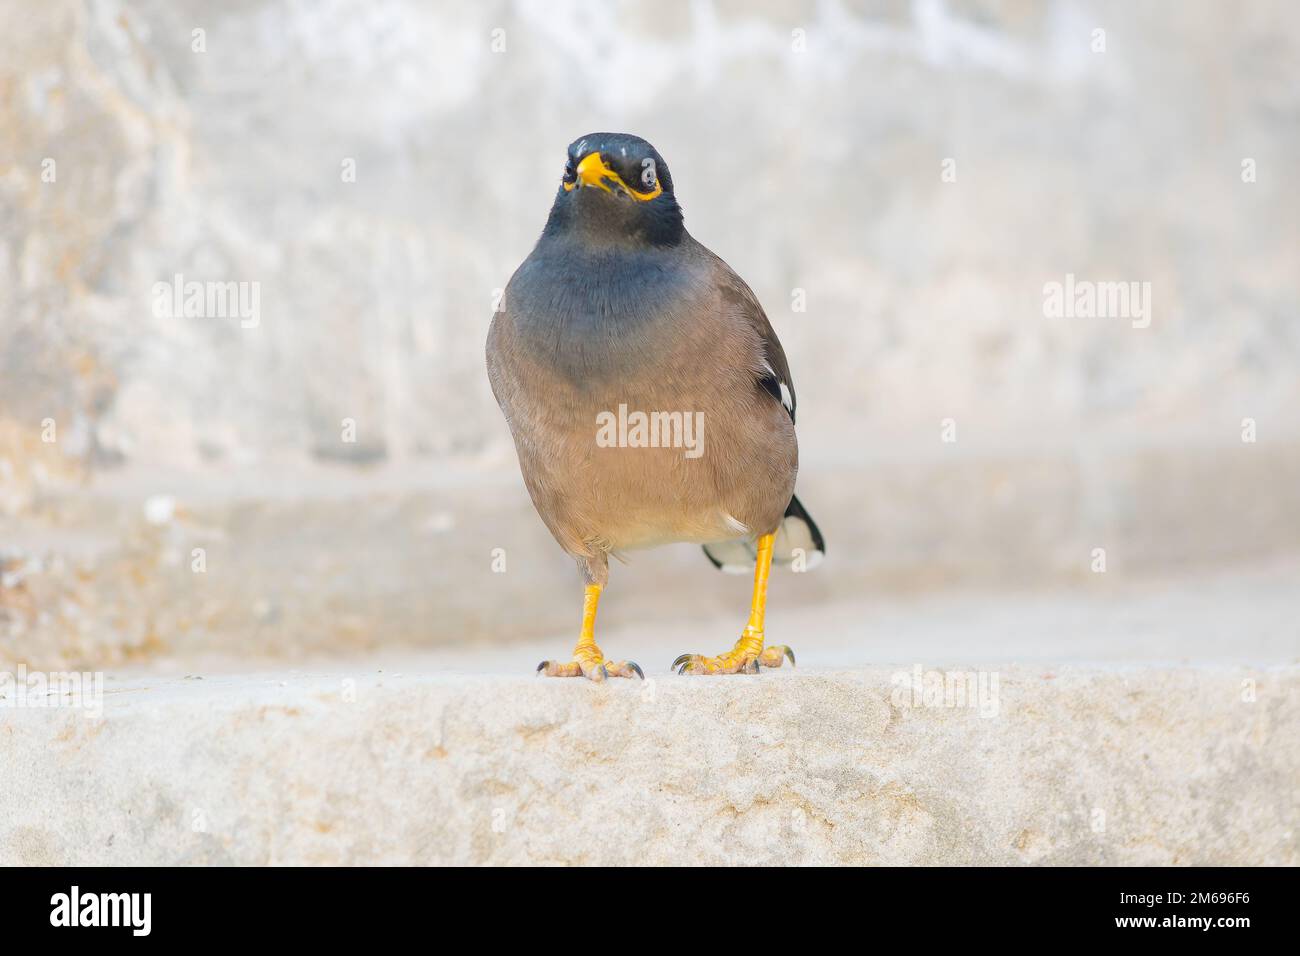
797	539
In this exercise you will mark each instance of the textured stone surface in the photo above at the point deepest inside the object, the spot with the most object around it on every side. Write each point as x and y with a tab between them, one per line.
1102	766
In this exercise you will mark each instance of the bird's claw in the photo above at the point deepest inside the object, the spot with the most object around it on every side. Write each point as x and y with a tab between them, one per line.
735	661
624	669
596	671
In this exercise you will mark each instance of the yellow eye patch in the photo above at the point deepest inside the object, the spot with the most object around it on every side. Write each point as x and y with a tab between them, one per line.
593	171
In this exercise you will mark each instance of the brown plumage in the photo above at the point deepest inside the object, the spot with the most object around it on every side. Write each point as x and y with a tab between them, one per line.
618	306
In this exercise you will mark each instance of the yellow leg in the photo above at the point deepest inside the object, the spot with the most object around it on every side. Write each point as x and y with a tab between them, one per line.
749	653
588	660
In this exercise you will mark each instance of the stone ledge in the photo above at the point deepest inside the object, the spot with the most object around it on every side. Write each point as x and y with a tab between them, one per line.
1139	765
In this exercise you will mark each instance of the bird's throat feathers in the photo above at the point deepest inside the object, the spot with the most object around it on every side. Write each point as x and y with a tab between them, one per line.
608	221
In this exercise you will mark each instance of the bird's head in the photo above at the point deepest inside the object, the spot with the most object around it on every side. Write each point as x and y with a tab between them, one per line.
616	190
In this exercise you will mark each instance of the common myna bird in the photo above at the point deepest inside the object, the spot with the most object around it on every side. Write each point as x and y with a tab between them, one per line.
648	396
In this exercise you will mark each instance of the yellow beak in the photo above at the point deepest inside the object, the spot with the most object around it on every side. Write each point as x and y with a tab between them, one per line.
592	171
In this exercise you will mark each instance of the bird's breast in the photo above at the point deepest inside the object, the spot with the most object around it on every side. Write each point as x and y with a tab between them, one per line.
599	318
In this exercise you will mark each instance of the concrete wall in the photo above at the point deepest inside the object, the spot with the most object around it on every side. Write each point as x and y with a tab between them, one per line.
818	170
808	141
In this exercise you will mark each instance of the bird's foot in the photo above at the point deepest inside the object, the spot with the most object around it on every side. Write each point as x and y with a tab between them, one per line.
747	657
590	663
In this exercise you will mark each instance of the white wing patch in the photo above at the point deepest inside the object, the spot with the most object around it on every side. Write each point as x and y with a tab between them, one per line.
786	398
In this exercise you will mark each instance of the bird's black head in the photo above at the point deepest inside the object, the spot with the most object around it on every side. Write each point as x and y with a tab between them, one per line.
616	190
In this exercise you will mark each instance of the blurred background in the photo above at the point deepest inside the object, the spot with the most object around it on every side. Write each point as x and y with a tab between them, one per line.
898	182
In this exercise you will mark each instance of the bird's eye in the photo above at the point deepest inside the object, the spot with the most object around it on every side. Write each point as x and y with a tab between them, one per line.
570	174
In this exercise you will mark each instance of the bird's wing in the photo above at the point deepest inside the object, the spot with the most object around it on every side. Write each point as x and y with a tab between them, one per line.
797	531
774	373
